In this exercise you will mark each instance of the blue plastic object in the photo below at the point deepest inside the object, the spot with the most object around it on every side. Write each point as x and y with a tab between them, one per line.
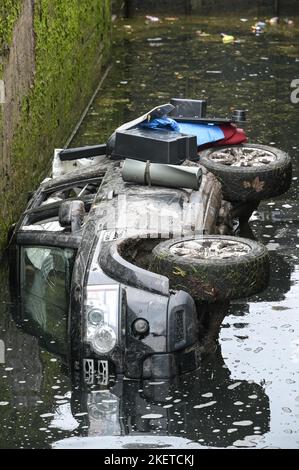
204	133
163	122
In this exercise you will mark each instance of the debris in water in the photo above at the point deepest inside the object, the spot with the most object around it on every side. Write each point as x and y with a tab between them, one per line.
154	19
273	21
258	28
227	39
289	22
154	39
202	34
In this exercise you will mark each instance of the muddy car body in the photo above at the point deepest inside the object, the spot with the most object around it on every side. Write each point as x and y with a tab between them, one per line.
82	251
140	294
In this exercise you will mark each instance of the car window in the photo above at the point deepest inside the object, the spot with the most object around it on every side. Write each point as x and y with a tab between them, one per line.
49	225
44	215
79	190
45	286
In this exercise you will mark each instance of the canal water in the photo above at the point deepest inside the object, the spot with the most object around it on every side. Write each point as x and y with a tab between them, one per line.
247	396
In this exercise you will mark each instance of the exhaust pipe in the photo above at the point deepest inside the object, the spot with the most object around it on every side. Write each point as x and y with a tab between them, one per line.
159	174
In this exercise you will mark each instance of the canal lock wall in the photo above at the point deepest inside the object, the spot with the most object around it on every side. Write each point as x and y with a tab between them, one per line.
52	55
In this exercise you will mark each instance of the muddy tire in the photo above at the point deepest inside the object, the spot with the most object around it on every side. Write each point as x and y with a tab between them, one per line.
250	183
212	277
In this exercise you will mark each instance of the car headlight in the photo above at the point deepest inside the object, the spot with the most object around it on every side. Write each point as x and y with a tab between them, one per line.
96	316
102	310
104	339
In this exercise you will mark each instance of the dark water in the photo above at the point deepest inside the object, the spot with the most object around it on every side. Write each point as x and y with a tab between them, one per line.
248	394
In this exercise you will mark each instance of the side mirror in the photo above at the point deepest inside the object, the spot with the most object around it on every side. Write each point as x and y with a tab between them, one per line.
71	214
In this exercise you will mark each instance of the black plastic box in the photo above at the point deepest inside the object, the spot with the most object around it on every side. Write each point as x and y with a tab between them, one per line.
157	146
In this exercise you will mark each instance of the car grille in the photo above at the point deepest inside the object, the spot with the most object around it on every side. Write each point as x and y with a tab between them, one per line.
96	371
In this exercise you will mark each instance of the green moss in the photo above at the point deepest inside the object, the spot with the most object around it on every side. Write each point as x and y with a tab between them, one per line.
9	11
71	44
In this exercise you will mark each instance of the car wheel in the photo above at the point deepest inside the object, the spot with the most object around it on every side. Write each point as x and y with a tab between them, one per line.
213	268
249	172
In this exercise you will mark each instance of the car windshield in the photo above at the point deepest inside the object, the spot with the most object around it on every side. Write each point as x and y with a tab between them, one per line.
45	286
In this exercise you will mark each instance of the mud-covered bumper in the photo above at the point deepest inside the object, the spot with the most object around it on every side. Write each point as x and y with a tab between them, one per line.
155	366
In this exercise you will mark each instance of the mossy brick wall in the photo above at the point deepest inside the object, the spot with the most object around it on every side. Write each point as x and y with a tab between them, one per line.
46	87
9	12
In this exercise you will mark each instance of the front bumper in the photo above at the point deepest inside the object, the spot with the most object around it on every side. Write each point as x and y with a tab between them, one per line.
155	366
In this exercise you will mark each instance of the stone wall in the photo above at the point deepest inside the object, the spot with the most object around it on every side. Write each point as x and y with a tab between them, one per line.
52	53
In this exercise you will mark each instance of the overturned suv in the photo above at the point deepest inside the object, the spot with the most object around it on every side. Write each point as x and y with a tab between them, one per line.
128	277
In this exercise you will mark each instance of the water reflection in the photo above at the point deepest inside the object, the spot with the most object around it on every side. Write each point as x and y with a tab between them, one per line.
24	370
206	406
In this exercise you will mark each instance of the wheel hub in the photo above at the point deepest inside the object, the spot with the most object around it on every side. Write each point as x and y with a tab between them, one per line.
210	249
244	156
